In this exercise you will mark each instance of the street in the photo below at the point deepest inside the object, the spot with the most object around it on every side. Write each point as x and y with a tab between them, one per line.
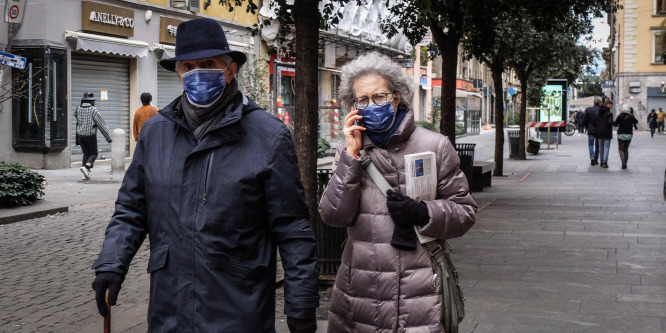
559	246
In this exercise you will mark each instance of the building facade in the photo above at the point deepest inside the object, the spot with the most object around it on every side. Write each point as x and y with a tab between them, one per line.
638	46
111	48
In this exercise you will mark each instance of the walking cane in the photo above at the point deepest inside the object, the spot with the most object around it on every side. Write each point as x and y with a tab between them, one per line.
107	318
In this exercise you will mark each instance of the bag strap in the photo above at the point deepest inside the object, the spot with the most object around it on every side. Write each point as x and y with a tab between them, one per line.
436	251
154	111
371	169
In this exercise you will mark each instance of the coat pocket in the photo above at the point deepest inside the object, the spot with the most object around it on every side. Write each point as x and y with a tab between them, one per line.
158	258
233	266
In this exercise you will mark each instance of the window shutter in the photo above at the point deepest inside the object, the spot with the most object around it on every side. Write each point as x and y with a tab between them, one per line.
194	6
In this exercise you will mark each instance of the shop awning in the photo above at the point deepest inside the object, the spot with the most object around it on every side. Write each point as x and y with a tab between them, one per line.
168	51
110	45
465	93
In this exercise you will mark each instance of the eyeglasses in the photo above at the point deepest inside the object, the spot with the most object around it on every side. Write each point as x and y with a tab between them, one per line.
362	102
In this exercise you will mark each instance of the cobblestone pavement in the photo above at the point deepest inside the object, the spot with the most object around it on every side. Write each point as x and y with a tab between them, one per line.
560	246
46	275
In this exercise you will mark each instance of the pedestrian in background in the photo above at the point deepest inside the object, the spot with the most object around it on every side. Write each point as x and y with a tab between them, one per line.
652	122
579	121
625	123
604	127
215	183
143	113
88	120
589	118
387	280
660	121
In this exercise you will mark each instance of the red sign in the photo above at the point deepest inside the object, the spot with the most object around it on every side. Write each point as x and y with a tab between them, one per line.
14	12
284	71
464	84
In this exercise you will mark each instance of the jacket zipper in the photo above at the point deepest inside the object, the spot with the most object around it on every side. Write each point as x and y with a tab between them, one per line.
209	162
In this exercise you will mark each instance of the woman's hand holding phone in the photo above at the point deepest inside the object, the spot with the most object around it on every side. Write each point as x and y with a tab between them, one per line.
352	131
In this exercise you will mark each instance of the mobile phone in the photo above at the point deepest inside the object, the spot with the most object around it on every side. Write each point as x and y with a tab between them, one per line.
358	122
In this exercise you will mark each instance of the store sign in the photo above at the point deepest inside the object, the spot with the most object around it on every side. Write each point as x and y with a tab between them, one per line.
464	84
112	20
168	27
608	84
404	62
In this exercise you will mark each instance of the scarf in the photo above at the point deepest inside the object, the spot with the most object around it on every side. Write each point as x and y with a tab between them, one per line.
200	120
380	139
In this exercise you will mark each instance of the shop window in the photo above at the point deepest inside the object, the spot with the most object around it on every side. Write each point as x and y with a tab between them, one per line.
39	100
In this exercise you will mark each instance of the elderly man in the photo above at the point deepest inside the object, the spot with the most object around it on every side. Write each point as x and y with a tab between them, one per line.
215	183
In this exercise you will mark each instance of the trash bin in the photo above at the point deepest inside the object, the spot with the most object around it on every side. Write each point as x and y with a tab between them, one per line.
466	155
329	239
514	137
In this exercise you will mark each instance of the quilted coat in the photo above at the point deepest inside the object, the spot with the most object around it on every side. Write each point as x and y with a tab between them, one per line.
216	212
379	288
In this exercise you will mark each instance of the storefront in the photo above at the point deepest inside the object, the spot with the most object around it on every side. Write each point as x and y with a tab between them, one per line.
113	51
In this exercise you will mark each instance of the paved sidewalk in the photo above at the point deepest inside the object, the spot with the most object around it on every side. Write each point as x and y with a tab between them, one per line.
560	246
568	247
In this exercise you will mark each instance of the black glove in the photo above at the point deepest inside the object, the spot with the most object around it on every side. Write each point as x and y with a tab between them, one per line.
104	281
298	325
404	238
405	211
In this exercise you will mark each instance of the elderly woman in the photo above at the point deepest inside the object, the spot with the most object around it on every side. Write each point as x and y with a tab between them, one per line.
387	281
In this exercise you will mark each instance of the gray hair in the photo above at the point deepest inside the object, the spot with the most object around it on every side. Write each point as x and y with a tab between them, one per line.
376	63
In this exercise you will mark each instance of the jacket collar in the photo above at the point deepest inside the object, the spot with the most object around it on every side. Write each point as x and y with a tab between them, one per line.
229	128
401	135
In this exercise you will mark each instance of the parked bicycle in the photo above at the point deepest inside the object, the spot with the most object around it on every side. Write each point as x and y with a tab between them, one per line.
570	129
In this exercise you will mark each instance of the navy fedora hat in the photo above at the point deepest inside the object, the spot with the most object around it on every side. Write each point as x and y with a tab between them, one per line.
198	39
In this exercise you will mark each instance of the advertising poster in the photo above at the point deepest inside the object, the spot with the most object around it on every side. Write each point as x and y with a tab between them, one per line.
552	103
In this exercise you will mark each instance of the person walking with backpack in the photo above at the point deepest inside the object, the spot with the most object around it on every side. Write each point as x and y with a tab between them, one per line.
143	113
625	123
604	127
88	120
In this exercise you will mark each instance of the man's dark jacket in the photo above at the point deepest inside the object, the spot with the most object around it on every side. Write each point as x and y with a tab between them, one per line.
589	118
215	212
604	123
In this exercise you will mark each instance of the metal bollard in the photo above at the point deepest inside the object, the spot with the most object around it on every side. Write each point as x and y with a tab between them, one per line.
118	151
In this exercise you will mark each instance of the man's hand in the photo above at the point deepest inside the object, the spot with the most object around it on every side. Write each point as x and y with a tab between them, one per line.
405	211
104	281
297	325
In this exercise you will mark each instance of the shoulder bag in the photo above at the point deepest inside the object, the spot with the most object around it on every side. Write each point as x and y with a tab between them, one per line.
453	301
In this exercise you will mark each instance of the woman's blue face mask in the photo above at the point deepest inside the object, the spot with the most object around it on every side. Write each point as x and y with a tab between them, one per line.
378	118
204	86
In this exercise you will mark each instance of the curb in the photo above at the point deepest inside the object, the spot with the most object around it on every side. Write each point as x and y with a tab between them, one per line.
40	208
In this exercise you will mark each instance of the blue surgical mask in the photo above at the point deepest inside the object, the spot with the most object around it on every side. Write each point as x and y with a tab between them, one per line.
378	118
204	86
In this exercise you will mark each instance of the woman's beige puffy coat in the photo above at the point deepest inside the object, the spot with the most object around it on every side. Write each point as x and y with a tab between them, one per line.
379	288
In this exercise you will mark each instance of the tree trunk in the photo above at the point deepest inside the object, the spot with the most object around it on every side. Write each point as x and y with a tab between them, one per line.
448	46
497	70
523	114
306	21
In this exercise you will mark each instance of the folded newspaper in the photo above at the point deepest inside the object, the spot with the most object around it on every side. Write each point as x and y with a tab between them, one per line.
421	181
